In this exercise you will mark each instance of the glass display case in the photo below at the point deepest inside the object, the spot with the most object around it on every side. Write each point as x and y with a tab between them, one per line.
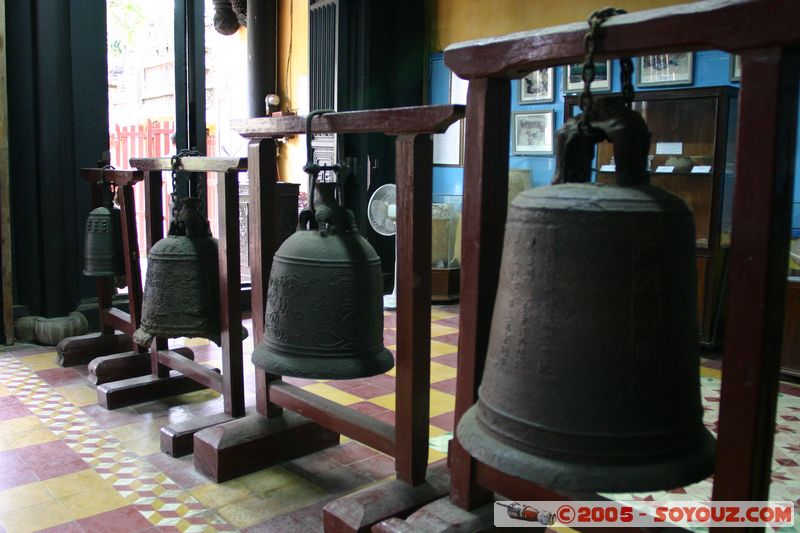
445	247
692	156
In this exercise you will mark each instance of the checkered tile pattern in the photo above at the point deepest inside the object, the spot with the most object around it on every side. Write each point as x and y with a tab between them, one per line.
70	465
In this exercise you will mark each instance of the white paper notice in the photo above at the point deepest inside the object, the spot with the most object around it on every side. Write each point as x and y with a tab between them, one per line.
458	90
669	148
701	169
608	168
665	169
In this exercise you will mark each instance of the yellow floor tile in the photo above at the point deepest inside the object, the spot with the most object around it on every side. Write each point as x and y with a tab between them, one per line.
433	431
392	372
91	503
41	361
83	481
23	496
387	401
42	516
297	495
438	314
441	402
137	430
4	391
438	329
20	424
214	495
710	373
145	445
195	342
434	455
440	372
250	511
442	348
333	394
268	480
29	438
79	394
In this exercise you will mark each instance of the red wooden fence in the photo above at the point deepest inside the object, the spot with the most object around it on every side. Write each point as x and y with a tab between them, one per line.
154	140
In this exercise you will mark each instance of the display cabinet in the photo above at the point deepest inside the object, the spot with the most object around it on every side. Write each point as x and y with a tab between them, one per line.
692	154
445	247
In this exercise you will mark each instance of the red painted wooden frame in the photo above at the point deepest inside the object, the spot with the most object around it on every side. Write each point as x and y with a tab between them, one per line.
766	34
407	440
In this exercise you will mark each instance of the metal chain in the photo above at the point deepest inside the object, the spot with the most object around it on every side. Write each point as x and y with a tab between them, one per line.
590	42
626	66
175	163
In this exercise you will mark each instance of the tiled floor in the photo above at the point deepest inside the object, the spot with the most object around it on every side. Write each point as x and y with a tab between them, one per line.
69	465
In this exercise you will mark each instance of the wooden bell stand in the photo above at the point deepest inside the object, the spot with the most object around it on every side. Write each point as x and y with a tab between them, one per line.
82	349
255	442
170	373
761	220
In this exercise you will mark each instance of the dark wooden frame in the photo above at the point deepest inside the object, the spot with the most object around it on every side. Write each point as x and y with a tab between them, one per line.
761	214
172	373
407	440
83	349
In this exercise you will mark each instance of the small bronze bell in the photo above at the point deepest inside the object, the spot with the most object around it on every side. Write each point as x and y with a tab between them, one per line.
102	248
324	317
591	380
181	294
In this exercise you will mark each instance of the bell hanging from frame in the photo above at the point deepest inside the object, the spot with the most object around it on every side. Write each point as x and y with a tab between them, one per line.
324	314
591	380
181	293
102	249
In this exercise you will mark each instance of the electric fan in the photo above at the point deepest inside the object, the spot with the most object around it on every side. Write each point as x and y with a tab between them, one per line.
382	214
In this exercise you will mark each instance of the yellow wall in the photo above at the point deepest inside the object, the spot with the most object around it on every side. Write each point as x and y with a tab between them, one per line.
292	70
462	20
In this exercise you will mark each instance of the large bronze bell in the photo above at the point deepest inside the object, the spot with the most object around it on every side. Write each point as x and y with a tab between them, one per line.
181	293
102	249
591	379
324	316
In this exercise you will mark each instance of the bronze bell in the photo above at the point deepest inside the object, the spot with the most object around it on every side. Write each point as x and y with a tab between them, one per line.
591	380
324	316
181	294
102	248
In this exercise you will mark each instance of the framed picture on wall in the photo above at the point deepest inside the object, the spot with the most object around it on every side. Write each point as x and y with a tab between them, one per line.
736	67
573	82
536	87
665	69
532	133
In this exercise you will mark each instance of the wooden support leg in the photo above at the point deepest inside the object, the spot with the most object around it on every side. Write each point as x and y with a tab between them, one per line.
81	350
251	443
360	510
126	365
485	199
440	516
144	389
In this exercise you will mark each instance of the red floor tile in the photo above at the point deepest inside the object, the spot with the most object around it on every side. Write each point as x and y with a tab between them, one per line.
57	377
368	408
368	391
450	338
51	459
450	359
123	520
448	386
376	467
351	452
443	421
69	527
11	407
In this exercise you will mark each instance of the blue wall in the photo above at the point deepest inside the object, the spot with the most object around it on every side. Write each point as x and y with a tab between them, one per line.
711	68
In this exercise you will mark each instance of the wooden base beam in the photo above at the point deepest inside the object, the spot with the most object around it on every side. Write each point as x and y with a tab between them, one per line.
144	389
440	516
177	439
360	510
82	349
248	444
126	365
